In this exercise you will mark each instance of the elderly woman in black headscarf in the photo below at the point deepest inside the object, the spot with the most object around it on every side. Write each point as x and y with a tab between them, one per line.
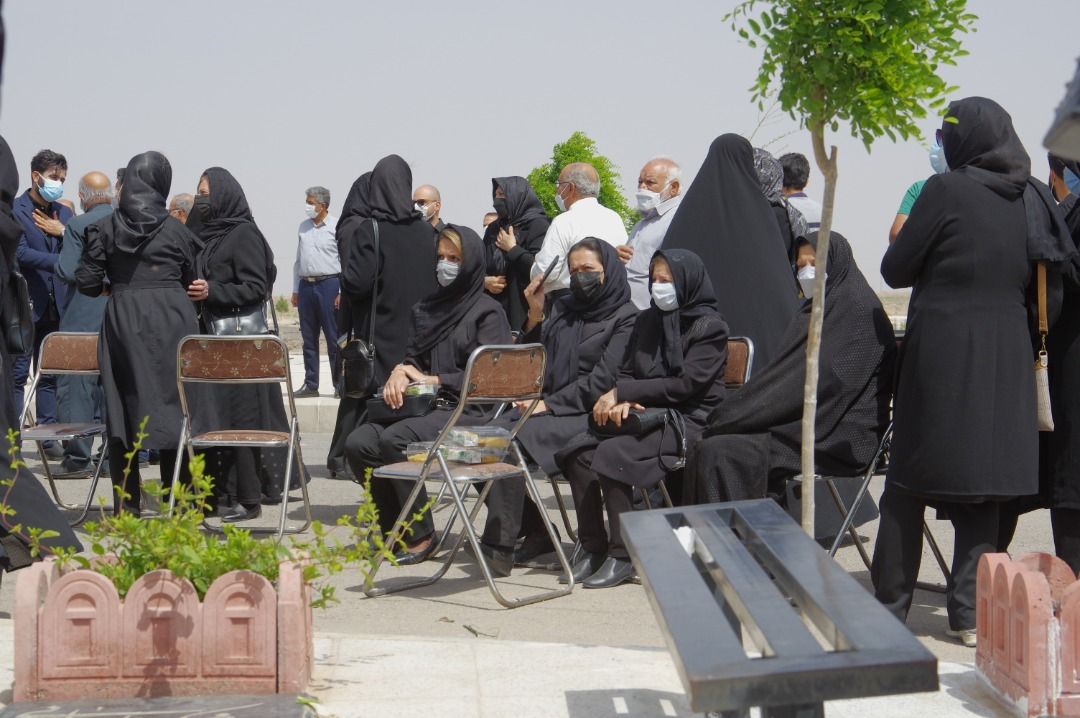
446	327
726	221
585	338
512	242
675	360
966	435
145	261
791	222
237	273
350	410
22	492
753	439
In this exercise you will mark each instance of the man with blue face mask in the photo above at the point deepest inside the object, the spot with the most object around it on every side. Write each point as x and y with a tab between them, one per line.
1064	180
43	219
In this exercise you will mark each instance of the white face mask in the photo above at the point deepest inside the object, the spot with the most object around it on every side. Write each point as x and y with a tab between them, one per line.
806	280
446	272
664	296
311	210
425	211
648	200
559	200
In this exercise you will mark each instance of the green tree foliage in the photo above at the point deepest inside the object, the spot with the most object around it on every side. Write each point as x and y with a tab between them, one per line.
580	148
870	63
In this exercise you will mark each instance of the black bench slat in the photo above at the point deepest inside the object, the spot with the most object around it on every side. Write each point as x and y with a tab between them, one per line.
763	612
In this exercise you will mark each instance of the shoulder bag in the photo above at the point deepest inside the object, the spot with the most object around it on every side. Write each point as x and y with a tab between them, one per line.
378	412
640	422
358	356
17	313
237	321
1042	360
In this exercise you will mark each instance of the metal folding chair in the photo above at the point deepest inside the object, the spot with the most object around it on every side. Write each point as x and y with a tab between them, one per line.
494	374
71	353
209	359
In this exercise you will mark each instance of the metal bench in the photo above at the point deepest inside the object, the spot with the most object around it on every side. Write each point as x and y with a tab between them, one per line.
716	583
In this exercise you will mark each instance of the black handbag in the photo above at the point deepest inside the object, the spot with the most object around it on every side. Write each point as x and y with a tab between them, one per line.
17	314
639	422
237	321
358	356
378	412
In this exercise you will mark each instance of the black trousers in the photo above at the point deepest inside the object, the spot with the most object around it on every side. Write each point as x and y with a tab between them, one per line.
592	492
898	553
511	514
372	445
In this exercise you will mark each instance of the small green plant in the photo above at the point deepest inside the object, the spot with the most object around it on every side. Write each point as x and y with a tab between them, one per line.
282	305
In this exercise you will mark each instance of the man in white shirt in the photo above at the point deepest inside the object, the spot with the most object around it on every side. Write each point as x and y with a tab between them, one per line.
316	287
580	216
658	197
796	175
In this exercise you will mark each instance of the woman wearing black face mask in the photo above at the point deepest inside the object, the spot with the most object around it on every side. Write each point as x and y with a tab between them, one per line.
585	338
512	242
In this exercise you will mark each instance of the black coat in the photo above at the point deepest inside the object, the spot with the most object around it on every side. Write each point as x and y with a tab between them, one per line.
515	265
406	274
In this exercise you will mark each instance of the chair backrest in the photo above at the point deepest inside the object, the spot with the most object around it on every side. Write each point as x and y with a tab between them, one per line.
504	374
69	353
740	361
232	359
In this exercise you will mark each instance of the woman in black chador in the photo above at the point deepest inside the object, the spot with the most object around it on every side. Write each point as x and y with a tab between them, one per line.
31	506
237	271
753	440
446	327
790	220
966	436
512	242
725	220
676	359
144	260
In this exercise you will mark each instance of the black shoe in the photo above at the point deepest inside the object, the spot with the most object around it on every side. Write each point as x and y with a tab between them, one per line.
587	565
241	513
66	470
612	573
499	560
306	391
269	500
533	546
410	558
54	450
342	475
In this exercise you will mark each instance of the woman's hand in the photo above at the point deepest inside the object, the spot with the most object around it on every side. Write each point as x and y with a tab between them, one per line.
494	285
394	390
534	296
506	239
603	407
619	412
198	290
523	406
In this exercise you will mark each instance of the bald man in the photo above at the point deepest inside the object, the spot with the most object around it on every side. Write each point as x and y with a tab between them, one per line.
78	397
581	216
658	197
429	204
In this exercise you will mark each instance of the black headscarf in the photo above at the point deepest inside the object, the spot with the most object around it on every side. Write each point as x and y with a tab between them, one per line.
561	335
727	222
356	202
980	142
10	229
439	313
391	190
696	300
229	209
771	178
142	208
521	200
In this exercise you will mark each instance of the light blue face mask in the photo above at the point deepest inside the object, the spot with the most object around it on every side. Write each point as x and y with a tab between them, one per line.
937	159
664	296
51	190
1072	182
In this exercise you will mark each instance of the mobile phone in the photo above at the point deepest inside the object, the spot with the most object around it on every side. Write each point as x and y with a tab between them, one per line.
550	269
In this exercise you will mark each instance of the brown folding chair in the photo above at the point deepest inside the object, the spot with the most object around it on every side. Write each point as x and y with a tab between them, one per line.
70	353
494	374
209	359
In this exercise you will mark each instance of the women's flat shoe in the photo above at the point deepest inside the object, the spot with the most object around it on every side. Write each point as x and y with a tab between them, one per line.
533	546
411	558
241	513
586	566
613	572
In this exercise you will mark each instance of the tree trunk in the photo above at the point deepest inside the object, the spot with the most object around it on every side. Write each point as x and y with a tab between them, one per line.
827	165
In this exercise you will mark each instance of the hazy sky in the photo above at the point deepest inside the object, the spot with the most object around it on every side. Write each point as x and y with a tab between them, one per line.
292	94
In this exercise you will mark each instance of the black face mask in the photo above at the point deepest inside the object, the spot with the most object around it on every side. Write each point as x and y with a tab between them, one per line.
500	208
202	207
586	286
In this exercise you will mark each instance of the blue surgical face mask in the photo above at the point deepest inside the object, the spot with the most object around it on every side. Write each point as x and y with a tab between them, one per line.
1072	182
50	190
446	272
664	296
937	159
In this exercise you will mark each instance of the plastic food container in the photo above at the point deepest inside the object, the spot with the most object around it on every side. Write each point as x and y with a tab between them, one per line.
418	450
487	437
421	388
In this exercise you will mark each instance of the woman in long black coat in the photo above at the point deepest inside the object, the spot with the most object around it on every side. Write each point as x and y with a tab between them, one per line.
401	274
965	436
675	359
446	327
237	273
585	338
144	260
512	242
790	221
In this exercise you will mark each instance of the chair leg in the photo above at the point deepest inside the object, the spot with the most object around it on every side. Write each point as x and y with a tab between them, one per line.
849	517
93	490
562	508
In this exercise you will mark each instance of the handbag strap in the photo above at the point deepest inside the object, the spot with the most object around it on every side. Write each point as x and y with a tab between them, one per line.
1043	328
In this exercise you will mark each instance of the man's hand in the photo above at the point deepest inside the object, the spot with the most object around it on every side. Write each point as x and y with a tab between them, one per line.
494	285
506	239
53	227
294	300
337	302
625	253
198	290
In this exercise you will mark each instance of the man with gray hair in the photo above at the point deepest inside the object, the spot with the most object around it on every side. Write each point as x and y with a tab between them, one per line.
658	197
581	216
78	397
316	287
180	206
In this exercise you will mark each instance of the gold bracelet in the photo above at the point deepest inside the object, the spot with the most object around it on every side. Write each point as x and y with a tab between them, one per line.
534	319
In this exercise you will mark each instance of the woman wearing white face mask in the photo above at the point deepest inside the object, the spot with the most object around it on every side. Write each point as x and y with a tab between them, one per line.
675	359
446	327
